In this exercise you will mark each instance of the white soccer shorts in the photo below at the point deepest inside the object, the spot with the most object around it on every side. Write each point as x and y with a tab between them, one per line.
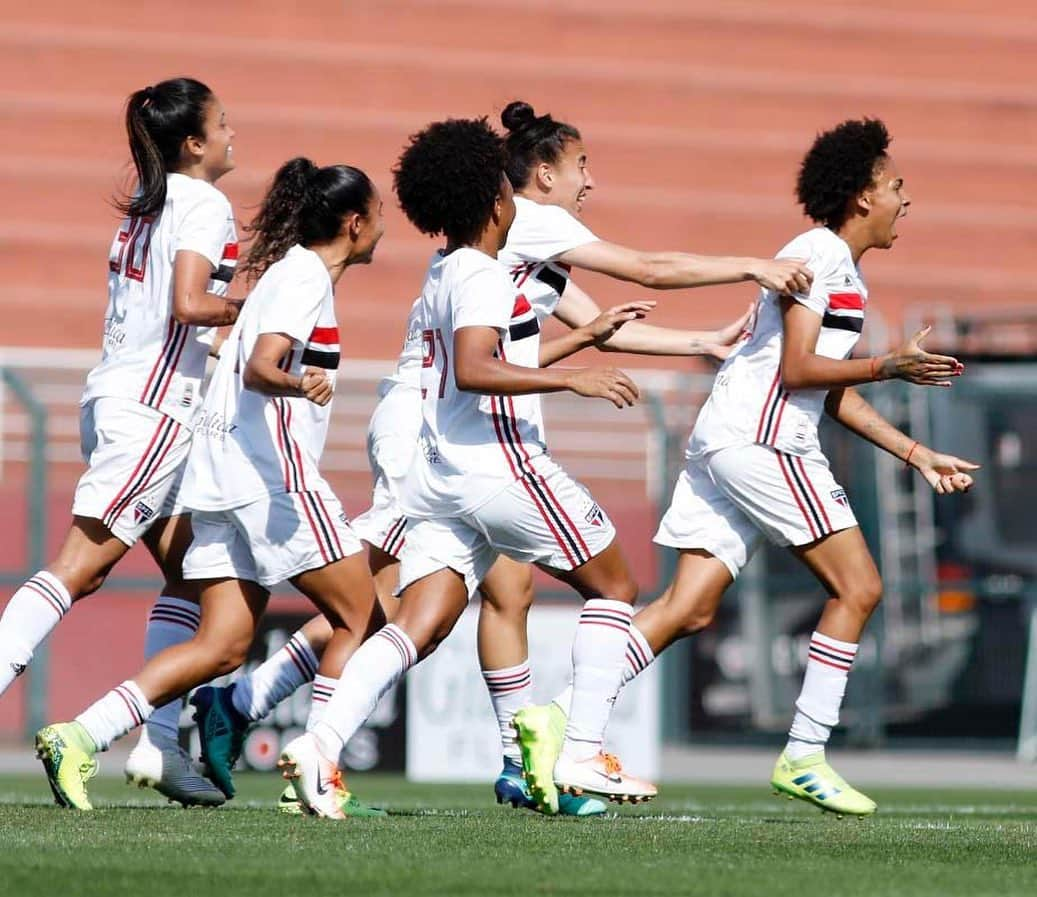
272	539
725	501
392	439
545	518
136	457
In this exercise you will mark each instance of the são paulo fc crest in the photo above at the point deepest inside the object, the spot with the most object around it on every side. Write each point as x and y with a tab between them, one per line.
142	513
839	495
595	516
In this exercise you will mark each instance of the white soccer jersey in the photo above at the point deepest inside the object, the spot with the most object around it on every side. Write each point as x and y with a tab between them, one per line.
748	403
147	356
408	365
539	234
247	444
471	446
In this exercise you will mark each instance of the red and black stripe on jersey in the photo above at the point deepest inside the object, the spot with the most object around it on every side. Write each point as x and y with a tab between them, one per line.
524	321
845	312
322	349
228	264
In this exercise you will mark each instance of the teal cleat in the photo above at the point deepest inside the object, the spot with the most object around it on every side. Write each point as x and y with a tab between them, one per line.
511	788
222	731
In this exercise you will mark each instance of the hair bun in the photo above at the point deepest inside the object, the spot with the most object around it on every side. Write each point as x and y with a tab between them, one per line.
517	114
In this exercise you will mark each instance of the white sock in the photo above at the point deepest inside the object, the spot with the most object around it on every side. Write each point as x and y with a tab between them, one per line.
817	710
257	693
638	658
122	709
172	621
33	611
378	664
510	690
601	638
323	689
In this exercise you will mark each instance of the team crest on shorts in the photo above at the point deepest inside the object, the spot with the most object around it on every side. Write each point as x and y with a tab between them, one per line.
595	516
142	513
839	495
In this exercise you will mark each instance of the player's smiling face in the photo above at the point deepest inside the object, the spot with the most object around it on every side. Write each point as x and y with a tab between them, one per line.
888	202
571	179
217	149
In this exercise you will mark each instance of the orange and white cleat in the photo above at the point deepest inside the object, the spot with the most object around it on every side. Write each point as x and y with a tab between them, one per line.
316	779
601	774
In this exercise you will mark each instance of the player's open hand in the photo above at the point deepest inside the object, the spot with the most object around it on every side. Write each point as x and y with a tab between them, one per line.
912	363
604	383
783	275
722	340
315	386
604	326
945	473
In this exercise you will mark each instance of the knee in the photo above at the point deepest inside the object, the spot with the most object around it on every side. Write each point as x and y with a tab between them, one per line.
513	601
863	595
224	655
625	590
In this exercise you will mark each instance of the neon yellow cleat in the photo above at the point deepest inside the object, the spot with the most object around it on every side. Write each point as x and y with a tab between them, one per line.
67	753
540	734
813	780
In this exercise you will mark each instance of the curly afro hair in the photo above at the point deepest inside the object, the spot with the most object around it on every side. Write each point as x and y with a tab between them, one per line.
449	176
841	163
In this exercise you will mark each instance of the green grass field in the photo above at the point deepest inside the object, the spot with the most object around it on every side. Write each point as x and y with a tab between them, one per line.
453	840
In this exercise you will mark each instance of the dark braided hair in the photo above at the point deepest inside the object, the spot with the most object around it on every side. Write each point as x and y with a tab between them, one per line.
841	163
449	176
532	139
158	121
305	204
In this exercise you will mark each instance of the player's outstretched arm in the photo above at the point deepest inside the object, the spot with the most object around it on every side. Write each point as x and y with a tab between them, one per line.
263	373
478	369
594	332
801	368
945	473
192	303
576	309
681	270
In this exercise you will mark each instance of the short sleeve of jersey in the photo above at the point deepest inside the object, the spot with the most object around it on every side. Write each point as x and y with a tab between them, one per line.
205	226
821	262
543	232
483	295
294	306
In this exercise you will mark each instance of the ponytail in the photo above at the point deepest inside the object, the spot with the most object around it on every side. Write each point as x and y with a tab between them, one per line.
159	119
305	204
531	140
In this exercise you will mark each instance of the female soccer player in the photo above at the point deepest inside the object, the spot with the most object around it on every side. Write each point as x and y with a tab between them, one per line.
261	511
482	481
547	164
755	467
170	264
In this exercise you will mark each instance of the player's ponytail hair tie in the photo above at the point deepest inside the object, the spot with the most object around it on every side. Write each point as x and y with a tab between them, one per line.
159	118
531	140
305	204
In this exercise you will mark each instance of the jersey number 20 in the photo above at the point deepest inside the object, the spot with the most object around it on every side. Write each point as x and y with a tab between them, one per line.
129	256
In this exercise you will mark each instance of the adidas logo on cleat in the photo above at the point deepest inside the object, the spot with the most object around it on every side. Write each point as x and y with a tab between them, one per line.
19	668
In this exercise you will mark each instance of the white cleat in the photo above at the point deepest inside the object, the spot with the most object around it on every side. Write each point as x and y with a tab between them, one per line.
316	779
159	762
601	774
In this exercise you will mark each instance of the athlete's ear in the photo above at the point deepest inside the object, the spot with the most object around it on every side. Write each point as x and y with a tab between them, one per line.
498	209
193	148
545	176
